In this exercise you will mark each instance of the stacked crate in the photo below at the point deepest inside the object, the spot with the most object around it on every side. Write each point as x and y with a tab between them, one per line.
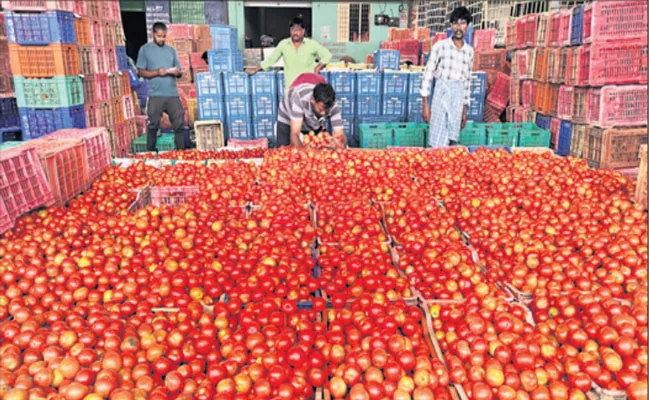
237	100
264	95
9	116
588	72
395	94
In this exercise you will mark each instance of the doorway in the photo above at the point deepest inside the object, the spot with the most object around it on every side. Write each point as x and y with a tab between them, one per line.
273	20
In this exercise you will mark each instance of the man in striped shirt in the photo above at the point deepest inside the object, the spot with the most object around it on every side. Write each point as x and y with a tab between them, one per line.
305	108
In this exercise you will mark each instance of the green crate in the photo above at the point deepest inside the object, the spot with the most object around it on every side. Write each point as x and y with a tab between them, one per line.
534	138
376	136
163	143
505	137
187	12
409	134
60	91
10	145
473	135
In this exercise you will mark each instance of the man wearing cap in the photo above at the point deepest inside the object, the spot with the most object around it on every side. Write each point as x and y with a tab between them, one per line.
298	53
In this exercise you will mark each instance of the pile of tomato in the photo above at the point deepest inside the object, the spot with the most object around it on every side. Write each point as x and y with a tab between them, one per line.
416	274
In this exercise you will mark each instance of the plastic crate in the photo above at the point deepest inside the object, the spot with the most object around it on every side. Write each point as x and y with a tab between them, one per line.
578	134
23	183
125	84
96	144
616	63
209	135
564	138
380	119
394	105
102	87
580	106
280	77
40	28
489	60
110	10
498	94
535	137
543	27
565	102
576	24
86	63
344	83
183	47
502	137
208	84
264	127
386	59
99	56
108	30
105	114
515	92
369	83
264	83
49	93
641	191
36	123
114	88
122	58
484	39
180	31
111	59
555	133
414	109
128	108
614	148
368	105
163	143
473	135
559	67
211	108
511	35
239	128
541	65
118	110
543	121
264	105
237	106
375	136
620	106
410	134
616	21
223	37
66	167
396	83
561	26
225	60
236	83
347	104
9	115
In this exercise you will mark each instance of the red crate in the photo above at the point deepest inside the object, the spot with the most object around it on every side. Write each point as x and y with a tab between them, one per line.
526	63
102	88
484	39
82	31
413	58
180	31
25	5
552	63
96	143
438	37
96	32
131	129
93	10
614	63
564	28
515	92
182	46
141	123
108	29
530	30
580	105
111	59
5	63
573	66
528	93
489	60
88	82
3	27
499	92
6	221
120	37
519	114
105	112
187	90
425	46
66	168
559	70
99	58
110	10
44	61
93	118
125	83
565	102
128	110
86	63
409	46
120	140
613	148
616	21
23	183
511	36
543	23
118	110
114	85
618	106
555	132
196	61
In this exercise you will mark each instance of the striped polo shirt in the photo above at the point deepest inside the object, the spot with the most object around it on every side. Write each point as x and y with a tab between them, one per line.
296	106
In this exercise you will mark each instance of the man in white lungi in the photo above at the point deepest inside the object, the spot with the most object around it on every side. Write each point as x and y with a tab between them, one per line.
450	63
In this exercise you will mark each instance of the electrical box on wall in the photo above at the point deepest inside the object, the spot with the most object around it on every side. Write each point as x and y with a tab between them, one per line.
393	22
381	19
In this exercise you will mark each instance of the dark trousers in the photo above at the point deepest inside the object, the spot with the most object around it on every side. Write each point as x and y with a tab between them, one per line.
284	134
174	109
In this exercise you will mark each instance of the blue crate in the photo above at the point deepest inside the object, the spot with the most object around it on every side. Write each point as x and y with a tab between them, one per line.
38	122
344	83
14	135
9	115
122	58
223	37
142	100
208	84
469	35
425	58
369	82
211	107
237	106
396	83
225	60
415	83
326	75
564	139
394	105
475	110
280	78
239	127
264	83
414	109
576	24
386	59
347	104
380	119
264	105
236	83
543	121
264	127
40	28
368	105
478	84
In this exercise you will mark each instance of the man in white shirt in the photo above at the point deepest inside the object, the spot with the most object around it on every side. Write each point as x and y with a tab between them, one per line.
450	63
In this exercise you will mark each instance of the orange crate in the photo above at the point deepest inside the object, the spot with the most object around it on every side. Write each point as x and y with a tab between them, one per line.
66	167
125	83
82	31
182	46
614	148
118	110
201	32
541	65
549	105
131	129
489	60
553	57
44	61
86	64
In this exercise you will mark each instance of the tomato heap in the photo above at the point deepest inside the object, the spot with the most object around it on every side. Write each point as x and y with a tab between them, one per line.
199	155
301	275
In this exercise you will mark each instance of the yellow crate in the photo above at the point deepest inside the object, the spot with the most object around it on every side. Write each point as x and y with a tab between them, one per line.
192	111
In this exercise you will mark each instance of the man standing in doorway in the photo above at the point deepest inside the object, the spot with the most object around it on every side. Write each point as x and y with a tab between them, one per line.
298	53
159	63
450	63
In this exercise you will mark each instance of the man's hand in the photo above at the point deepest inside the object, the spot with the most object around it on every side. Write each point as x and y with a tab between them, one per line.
318	68
162	72
175	71
253	71
426	111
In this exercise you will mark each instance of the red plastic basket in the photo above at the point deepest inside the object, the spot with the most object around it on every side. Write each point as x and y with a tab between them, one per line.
559	70
409	46
118	110
565	102
66	168
526	63
519	114
111	59
618	106
530	30
559	28
614	63
110	10
128	109
93	118
489	60
515	92
555	132
197	62
132	129
580	105
511	36
105	112
484	39
94	10
6	221
96	32
615	21
119	135
23	183
102	87
499	92
187	90
180	31
520	27
108	29
114	85
528	93
100	64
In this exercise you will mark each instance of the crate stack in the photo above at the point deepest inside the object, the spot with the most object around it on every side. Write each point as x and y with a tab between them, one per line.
187	12
44	58
583	72
9	117
264	96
